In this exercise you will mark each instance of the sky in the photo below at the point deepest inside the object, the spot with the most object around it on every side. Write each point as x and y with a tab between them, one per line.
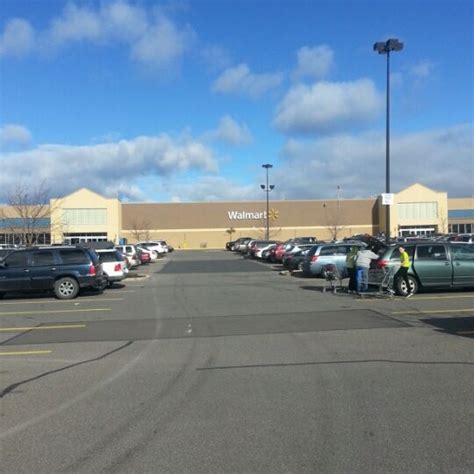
184	101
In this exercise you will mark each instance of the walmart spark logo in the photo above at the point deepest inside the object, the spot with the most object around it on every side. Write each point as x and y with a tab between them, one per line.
273	214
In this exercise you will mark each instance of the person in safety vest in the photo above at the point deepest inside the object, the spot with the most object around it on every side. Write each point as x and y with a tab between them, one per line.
403	270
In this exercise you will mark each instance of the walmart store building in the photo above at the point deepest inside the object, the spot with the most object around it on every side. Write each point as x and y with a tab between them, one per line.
86	216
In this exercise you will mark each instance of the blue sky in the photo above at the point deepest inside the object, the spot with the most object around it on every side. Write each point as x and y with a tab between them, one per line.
185	100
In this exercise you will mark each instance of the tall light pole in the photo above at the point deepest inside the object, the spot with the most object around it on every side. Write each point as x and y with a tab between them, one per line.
267	188
385	48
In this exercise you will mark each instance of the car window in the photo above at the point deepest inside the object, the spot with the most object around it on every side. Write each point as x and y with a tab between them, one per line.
431	252
108	256
396	253
328	251
17	259
42	257
74	256
462	252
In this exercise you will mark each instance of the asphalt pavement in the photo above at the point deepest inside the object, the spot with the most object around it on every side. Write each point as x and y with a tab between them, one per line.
208	362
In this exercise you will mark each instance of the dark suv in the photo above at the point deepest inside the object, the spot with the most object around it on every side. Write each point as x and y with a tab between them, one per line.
65	270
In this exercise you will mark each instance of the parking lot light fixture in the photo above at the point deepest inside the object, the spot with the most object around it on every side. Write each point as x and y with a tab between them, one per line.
384	47
267	188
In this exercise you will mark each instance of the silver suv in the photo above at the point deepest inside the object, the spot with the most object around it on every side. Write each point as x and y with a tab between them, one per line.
325	254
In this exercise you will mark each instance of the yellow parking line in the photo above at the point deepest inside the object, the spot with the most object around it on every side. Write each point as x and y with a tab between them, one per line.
24	353
416	311
88	300
38	328
19	313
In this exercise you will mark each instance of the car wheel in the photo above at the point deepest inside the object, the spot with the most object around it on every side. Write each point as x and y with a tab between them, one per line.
300	266
66	288
401	286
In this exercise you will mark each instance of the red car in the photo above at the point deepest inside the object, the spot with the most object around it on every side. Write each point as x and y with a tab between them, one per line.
279	252
144	257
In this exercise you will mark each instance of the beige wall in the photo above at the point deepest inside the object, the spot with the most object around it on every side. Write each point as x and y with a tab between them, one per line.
204	225
417	193
216	238
86	199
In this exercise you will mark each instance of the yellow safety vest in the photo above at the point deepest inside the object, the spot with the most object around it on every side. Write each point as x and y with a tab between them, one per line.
404	259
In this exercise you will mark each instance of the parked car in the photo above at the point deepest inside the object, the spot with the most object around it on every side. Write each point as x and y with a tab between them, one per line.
433	265
4	251
152	253
235	245
468	238
113	264
242	245
158	246
143	256
262	247
130	251
255	247
325	254
293	251
295	260
64	270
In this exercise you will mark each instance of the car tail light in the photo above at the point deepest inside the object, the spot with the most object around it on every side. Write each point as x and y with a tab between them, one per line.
382	263
92	271
314	258
118	267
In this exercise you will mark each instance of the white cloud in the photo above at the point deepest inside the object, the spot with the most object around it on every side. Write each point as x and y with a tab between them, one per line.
241	81
422	70
216	57
162	43
212	188
328	106
314	62
107	168
18	38
231	132
153	38
76	24
441	159
12	134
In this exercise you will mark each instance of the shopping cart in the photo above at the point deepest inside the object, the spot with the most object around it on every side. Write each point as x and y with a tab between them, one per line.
384	284
333	278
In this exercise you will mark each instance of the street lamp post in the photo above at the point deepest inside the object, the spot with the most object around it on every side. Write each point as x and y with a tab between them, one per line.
267	188
385	48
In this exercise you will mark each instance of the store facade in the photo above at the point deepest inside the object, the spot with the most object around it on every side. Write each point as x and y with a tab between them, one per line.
85	216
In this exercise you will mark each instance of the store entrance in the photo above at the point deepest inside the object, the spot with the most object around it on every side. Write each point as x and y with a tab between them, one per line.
77	238
424	231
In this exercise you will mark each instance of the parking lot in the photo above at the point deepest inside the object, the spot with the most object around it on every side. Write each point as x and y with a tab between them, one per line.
206	355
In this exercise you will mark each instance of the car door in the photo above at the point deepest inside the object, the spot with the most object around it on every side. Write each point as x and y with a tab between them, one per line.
463	264
14	272
433	265
43	269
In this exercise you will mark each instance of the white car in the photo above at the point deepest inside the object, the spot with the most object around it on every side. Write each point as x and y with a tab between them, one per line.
113	264
130	252
156	245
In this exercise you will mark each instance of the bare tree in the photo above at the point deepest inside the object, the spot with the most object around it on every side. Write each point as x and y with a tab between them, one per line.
230	232
332	216
141	229
28	212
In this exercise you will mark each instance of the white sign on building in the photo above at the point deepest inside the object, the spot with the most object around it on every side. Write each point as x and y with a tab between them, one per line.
387	199
245	215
